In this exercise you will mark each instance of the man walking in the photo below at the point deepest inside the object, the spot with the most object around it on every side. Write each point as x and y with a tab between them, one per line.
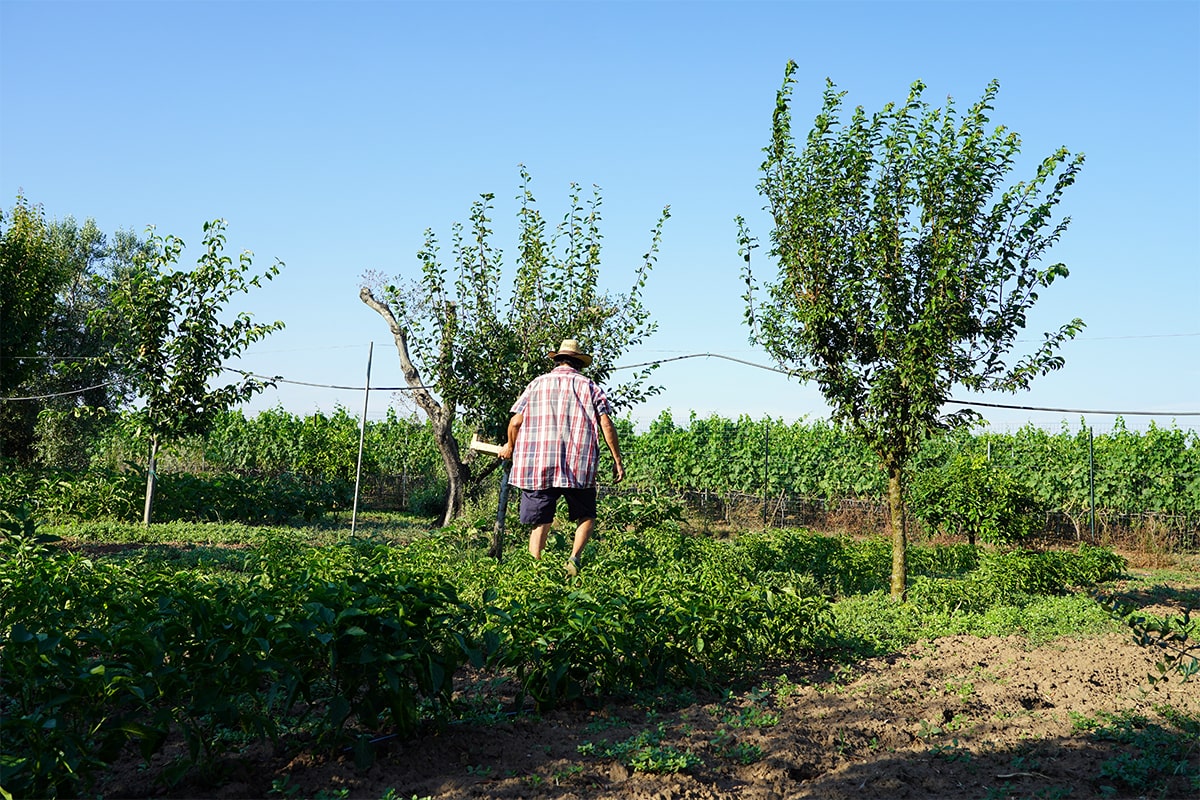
553	441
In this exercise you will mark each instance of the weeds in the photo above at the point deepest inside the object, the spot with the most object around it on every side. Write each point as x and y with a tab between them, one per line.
1152	758
644	752
951	752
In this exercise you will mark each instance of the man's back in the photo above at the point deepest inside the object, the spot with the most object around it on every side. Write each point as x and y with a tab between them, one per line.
558	443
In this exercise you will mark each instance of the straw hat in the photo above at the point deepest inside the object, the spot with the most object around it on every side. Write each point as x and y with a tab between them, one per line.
570	347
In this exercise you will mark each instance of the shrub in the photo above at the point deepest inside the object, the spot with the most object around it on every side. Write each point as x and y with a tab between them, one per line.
429	500
969	496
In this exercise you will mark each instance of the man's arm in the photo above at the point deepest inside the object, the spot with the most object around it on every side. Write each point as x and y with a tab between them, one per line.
514	426
614	447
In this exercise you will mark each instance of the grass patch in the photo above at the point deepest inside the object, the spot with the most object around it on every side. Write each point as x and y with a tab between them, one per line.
873	624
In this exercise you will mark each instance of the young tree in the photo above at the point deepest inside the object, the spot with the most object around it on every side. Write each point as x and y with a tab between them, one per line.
466	349
906	266
172	344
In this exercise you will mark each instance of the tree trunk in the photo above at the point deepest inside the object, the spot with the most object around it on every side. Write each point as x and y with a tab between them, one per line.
151	480
441	415
456	472
899	533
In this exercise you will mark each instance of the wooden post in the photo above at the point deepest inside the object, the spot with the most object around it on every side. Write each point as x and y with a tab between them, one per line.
497	551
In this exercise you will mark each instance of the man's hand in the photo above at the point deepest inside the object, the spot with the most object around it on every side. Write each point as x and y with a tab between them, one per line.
514	427
618	473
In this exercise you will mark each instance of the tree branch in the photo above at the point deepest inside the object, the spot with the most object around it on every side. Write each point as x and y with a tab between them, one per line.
412	377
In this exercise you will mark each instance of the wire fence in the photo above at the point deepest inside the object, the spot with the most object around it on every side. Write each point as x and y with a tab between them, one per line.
1090	487
734	510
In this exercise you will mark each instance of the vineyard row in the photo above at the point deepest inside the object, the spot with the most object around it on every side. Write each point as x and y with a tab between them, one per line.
1119	473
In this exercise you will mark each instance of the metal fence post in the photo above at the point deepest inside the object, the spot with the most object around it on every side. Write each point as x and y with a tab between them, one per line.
362	432
1092	484
766	467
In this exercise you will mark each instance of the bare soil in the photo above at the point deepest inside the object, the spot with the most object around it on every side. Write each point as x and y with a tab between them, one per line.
958	717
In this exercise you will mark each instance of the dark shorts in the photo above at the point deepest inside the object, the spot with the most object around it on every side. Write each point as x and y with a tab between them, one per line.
538	506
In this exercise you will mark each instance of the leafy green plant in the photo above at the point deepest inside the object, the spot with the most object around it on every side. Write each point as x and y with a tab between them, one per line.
68	705
1153	758
644	752
743	753
639	512
96	655
752	717
1050	571
59	496
951	752
1173	636
972	497
655	608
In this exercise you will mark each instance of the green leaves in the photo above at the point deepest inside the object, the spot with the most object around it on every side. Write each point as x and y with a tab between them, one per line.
172	341
30	277
808	458
97	655
971	496
905	265
1173	637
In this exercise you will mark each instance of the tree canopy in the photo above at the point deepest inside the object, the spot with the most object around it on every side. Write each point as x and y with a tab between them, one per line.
468	347
30	277
53	275
907	263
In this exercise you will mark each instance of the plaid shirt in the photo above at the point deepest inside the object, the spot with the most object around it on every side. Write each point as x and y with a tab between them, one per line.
558	443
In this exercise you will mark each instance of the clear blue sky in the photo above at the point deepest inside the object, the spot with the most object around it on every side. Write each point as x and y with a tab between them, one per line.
331	135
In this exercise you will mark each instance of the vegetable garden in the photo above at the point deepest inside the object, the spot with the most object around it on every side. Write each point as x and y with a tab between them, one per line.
185	645
183	656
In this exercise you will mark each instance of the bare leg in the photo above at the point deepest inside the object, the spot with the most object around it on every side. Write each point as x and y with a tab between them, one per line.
537	539
581	536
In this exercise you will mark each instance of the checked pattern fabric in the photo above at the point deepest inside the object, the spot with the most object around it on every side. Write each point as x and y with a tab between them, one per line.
558	443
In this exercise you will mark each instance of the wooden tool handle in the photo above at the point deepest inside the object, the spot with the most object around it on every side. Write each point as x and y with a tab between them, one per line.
484	447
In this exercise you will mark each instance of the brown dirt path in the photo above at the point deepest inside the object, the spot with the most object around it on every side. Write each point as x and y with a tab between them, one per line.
956	718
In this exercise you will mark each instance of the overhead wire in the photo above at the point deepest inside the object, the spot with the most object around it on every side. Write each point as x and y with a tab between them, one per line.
1017	408
59	394
656	362
278	379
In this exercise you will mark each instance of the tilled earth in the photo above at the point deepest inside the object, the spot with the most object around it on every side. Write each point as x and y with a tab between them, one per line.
957	718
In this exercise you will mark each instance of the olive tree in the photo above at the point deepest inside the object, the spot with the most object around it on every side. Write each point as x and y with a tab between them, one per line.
906	264
172	344
467	347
